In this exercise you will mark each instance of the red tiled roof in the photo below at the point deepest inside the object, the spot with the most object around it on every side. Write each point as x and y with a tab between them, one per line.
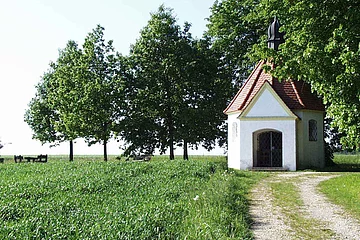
295	94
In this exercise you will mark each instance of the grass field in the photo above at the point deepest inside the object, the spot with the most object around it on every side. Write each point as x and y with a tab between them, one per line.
345	189
347	162
92	199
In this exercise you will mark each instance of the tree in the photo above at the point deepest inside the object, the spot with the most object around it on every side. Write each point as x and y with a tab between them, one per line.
66	94
206	96
233	37
102	98
156	56
81	95
53	113
40	116
321	47
174	86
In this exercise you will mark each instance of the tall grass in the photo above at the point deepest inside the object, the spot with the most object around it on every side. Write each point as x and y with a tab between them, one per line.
195	199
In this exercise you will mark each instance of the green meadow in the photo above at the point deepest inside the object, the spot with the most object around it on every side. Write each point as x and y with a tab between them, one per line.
92	199
159	199
345	189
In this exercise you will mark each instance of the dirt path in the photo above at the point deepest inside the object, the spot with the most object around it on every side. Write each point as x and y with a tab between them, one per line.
270	222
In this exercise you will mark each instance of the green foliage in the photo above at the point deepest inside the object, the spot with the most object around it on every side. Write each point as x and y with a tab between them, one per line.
81	95
40	115
103	89
344	190
233	36
158	57
64	91
124	200
321	47
53	113
175	95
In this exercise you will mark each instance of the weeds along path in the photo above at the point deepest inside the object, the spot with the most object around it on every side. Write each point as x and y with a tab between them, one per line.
289	206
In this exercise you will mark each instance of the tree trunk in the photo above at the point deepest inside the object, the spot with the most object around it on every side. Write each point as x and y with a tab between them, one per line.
105	140
71	156
172	157
186	156
171	133
105	150
171	136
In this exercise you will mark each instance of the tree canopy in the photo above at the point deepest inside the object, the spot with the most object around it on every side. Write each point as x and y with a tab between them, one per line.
81	95
102	89
53	113
42	118
174	88
321	47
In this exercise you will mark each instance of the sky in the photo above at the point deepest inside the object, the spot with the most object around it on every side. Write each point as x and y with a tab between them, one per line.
32	32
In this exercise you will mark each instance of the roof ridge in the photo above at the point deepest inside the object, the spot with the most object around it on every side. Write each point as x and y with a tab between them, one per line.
272	78
252	88
243	86
297	93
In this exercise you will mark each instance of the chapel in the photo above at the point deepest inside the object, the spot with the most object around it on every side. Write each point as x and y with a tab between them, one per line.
275	125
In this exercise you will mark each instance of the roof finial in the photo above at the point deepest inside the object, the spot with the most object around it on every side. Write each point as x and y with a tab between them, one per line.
275	38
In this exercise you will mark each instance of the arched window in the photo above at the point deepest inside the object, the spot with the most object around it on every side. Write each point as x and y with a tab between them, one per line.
312	130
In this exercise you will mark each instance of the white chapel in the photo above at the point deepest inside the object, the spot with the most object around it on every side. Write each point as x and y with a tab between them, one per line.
273	124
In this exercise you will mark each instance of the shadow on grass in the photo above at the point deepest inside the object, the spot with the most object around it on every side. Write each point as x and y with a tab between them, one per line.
342	168
343	163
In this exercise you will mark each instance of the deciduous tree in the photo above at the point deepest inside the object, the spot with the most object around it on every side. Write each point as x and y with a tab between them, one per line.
157	81
233	37
175	91
40	116
54	112
321	47
103	89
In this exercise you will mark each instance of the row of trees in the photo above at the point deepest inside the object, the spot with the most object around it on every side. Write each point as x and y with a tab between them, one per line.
171	89
167	92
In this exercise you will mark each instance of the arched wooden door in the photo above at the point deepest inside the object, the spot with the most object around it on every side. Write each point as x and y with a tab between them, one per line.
269	149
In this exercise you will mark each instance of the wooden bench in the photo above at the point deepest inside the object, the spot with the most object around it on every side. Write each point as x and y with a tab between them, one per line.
18	158
143	157
39	158
42	158
29	159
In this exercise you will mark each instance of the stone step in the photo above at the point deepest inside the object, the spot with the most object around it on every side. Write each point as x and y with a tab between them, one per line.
271	169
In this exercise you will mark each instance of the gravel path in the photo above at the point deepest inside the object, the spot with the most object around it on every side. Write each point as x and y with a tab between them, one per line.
333	216
271	223
268	223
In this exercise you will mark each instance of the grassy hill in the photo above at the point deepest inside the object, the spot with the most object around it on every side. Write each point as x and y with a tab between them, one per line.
160	199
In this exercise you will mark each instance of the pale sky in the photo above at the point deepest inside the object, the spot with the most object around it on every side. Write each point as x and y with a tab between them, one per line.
32	31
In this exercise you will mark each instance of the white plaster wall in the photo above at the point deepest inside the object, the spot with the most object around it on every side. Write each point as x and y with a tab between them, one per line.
288	129
267	106
233	141
310	153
